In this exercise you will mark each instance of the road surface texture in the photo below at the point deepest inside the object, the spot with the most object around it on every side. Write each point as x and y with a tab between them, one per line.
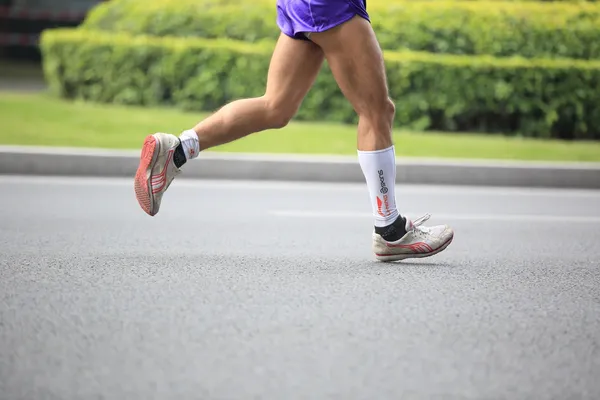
253	290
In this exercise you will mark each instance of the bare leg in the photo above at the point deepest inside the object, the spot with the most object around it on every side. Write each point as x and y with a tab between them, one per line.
294	67
293	70
356	61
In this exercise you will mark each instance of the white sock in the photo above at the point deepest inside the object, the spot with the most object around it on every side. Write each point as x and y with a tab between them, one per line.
379	169
189	141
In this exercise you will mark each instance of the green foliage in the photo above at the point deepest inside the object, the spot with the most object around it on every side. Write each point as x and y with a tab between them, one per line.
212	19
528	29
540	98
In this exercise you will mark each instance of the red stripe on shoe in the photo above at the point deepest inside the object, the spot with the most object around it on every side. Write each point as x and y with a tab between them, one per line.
447	242
141	183
419	247
163	175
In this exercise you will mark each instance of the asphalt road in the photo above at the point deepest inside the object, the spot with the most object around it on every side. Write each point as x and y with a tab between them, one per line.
248	290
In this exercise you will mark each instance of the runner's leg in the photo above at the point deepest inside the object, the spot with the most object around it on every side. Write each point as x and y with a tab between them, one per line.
356	61
294	67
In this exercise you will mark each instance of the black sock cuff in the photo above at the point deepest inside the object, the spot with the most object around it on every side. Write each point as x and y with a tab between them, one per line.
394	231
179	156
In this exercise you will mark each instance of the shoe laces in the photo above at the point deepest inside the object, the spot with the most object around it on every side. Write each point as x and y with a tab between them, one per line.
417	225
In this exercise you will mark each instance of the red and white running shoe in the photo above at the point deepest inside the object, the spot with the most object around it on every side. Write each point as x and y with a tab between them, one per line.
418	242
156	170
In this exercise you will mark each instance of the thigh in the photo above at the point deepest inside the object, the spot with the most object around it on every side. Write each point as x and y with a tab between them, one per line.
294	67
356	61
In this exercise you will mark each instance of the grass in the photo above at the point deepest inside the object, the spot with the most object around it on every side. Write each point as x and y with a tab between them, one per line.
37	119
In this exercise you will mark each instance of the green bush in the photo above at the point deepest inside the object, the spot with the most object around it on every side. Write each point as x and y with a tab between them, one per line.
528	29
532	30
543	98
211	19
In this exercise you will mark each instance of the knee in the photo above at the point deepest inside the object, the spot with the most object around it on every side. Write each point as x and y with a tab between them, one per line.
377	112
279	113
280	120
390	108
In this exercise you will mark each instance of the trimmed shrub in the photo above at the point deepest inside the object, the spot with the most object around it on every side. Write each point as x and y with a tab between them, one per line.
528	29
211	19
541	98
531	30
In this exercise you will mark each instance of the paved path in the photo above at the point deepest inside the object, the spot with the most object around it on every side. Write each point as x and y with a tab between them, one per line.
241	290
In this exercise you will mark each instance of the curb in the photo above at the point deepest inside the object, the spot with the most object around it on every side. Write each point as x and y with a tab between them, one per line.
24	160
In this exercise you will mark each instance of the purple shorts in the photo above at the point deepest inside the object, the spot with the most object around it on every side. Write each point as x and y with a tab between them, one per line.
299	18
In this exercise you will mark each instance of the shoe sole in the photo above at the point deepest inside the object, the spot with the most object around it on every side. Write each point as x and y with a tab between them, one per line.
143	190
400	257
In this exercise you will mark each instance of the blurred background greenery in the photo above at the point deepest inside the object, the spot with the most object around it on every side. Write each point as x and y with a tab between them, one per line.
470	78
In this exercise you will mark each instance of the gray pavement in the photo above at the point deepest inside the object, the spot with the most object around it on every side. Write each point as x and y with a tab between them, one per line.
248	290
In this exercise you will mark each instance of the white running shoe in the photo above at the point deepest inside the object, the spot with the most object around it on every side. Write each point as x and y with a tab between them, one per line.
418	242
156	170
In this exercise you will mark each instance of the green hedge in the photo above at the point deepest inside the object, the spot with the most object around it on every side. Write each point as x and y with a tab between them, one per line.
544	98
212	19
528	29
532	30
